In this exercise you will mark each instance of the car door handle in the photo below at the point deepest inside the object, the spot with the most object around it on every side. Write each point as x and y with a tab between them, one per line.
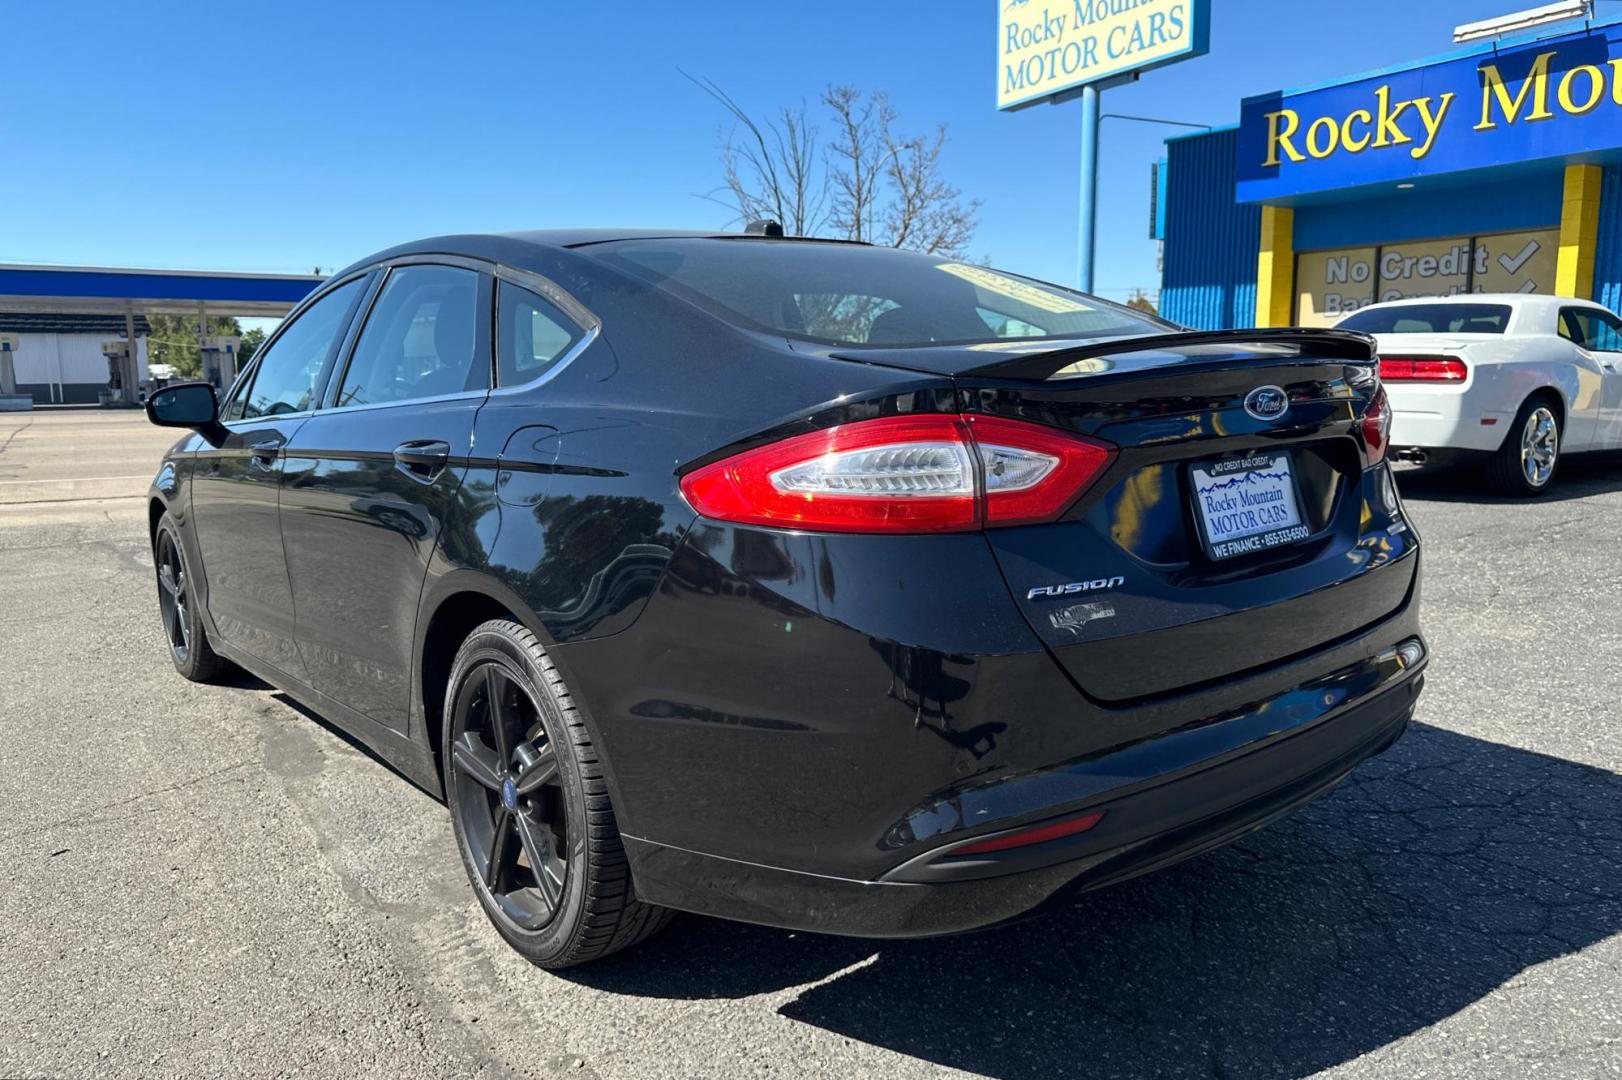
423	455
266	451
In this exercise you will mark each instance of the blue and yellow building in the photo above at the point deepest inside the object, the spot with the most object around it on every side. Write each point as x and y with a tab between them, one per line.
1495	168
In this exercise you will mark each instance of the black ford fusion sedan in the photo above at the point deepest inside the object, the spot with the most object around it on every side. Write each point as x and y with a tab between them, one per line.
797	582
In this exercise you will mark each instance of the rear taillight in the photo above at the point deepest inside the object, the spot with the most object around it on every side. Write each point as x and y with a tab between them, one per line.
1422	369
903	474
1377	427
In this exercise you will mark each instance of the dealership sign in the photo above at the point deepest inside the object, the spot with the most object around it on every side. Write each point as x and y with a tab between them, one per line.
1551	98
1048	47
1330	284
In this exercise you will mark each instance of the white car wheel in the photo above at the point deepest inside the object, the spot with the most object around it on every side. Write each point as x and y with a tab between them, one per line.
1540	446
1526	463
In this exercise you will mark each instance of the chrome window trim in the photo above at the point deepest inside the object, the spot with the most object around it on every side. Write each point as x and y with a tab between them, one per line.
583	318
459	395
554	369
573	310
244	422
547	289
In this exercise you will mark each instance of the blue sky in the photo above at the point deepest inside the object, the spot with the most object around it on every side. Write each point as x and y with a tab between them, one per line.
283	136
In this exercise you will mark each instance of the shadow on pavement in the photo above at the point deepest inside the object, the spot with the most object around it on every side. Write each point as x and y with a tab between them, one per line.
1428	879
1577	478
354	741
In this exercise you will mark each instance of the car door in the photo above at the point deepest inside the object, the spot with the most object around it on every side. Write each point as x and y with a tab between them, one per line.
236	485
372	478
1597	333
1605	343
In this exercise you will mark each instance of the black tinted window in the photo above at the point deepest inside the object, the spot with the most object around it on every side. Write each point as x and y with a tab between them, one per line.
532	333
420	341
1592	328
850	294
1429	319
285	381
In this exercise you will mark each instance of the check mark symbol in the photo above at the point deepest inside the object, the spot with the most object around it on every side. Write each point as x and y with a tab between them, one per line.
1518	261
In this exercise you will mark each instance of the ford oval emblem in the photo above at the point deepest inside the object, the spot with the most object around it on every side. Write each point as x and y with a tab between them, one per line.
1267	402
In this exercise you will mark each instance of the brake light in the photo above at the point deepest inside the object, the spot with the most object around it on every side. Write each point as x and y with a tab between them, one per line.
902	474
1377	427
1416	369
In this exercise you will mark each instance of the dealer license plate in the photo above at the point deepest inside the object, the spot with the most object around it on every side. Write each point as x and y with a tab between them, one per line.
1247	505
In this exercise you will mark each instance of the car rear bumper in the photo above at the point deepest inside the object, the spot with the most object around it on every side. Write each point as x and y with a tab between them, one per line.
1447	417
1163	800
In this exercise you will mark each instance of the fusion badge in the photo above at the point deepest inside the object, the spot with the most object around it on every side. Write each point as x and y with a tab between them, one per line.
1071	588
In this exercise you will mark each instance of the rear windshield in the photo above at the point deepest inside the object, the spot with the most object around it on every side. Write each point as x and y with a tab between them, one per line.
1429	319
850	294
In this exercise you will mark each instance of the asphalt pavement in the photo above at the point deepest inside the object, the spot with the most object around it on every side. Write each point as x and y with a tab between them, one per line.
211	881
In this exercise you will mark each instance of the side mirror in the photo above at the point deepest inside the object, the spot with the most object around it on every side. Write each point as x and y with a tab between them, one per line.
188	405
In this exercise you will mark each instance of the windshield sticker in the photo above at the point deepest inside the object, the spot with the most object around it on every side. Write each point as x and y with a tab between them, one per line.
1014	289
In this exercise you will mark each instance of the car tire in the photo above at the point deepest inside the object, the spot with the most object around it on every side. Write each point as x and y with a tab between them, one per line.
530	808
1525	465
183	629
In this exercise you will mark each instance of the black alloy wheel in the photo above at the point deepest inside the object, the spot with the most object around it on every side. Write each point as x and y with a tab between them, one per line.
513	813
529	803
183	630
172	596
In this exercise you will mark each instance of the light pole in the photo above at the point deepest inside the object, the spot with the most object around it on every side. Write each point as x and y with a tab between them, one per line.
1091	122
1088	245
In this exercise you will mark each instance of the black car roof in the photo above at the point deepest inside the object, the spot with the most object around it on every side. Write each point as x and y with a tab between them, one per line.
509	247
581	237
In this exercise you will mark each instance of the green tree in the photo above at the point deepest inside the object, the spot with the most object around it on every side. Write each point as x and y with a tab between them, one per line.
251	341
174	341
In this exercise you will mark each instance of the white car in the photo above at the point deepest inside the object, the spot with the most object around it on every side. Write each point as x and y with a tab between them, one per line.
1516	381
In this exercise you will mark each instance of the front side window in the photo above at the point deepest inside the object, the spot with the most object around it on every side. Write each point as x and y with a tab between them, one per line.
420	341
1592	328
289	369
238	399
532	335
851	294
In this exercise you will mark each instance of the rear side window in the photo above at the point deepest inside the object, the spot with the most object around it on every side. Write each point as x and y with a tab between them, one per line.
1429	319
852	294
285	380
532	335
1593	329
420	341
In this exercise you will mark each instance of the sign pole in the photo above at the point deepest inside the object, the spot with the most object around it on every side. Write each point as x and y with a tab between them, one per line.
1046	58
1089	185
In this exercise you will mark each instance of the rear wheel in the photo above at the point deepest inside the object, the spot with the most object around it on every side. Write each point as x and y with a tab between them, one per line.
183	630
1525	465
530	808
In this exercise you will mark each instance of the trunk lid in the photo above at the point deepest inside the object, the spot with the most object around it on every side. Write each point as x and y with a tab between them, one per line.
1130	592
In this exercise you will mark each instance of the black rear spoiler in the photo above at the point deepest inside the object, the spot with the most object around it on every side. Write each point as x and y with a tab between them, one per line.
1323	344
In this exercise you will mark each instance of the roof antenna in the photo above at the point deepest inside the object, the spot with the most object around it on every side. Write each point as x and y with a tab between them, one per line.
764	227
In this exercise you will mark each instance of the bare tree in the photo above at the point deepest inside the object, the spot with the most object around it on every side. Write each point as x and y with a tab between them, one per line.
926	214
870	183
856	161
772	169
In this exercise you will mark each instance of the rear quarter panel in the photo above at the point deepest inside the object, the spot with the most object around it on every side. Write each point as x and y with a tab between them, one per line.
1503	373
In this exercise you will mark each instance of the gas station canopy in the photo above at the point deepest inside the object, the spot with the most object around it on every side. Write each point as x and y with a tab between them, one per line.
110	291
43	292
